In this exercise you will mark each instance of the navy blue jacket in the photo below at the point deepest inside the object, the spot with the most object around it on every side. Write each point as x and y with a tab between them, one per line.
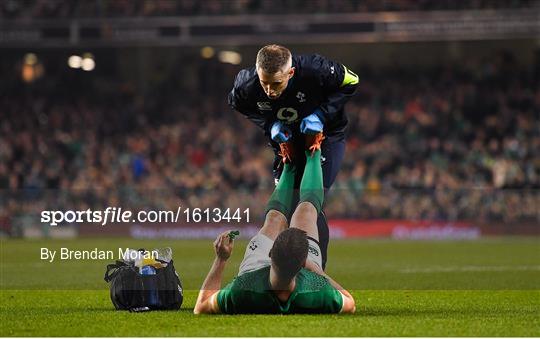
316	83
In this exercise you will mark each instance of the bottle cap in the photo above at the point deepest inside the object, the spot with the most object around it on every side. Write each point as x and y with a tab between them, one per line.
233	234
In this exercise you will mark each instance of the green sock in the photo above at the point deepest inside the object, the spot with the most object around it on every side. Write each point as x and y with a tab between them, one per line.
282	198
311	187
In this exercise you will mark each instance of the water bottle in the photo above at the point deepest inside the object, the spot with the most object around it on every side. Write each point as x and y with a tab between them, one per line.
150	285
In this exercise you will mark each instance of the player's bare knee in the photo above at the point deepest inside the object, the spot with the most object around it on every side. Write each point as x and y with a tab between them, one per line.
305	218
274	223
306	208
276	219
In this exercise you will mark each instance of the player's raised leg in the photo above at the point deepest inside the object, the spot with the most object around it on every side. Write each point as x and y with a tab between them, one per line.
279	205
311	201
311	196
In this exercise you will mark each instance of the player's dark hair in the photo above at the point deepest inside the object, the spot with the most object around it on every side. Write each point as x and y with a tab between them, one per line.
289	252
272	58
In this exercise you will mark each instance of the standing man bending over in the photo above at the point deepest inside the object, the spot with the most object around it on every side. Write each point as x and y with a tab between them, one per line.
289	95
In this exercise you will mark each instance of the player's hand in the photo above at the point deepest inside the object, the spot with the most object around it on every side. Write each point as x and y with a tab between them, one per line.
223	246
280	132
311	124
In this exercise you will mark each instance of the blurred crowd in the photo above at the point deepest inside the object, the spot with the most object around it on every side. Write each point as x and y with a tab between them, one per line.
458	142
135	8
455	142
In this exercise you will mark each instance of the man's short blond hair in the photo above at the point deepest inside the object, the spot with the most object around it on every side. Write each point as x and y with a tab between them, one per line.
273	58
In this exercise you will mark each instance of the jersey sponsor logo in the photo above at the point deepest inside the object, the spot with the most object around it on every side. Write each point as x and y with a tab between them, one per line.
264	106
301	97
313	251
287	114
253	245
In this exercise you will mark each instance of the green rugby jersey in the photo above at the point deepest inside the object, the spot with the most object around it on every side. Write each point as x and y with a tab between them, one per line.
250	293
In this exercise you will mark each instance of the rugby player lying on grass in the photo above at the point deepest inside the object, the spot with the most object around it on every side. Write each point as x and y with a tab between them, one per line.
281	270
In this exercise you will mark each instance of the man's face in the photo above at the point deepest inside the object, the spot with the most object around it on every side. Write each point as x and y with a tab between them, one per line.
274	84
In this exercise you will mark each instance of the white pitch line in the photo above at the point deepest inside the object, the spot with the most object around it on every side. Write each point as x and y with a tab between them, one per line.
436	269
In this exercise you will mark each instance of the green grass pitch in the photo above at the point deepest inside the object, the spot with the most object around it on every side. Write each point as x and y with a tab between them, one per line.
488	287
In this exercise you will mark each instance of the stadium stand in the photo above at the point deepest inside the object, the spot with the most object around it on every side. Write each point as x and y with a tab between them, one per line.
454	142
14	9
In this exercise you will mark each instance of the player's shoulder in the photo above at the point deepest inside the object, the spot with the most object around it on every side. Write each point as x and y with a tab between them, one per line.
246	78
311	281
316	294
311	64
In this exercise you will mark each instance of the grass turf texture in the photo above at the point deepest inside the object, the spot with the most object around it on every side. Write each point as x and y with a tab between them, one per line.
488	287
